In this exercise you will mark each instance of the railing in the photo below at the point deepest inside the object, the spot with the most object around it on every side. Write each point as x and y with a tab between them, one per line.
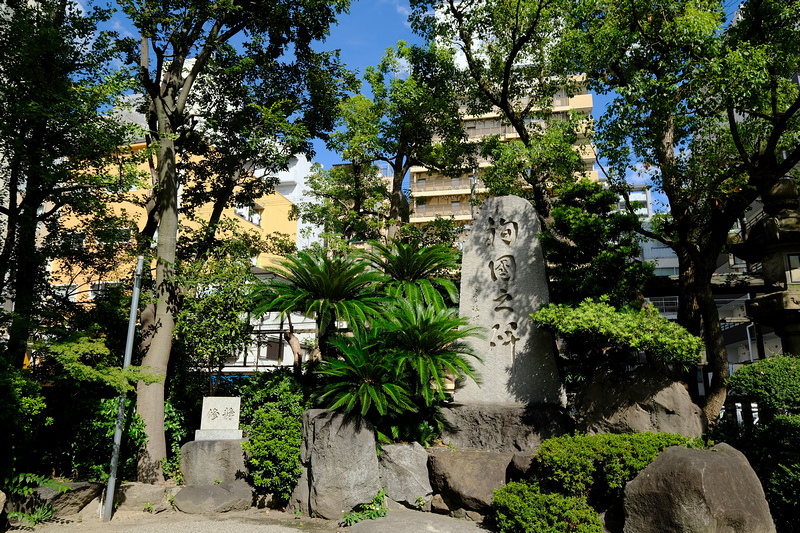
444	185
444	210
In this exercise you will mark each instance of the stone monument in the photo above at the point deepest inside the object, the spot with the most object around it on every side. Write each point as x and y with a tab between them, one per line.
220	419
503	281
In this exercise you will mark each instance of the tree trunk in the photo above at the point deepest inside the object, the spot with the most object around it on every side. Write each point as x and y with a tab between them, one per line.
151	397
716	354
26	272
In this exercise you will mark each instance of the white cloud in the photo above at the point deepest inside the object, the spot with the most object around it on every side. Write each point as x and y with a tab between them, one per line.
402	8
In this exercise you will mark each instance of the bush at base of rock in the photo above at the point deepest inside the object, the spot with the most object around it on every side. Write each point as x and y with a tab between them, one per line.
599	466
523	508
272	414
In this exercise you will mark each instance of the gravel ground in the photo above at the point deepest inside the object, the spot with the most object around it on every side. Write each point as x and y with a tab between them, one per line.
253	521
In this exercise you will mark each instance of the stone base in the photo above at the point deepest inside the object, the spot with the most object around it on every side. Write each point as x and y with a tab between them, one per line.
503	428
208	462
218	434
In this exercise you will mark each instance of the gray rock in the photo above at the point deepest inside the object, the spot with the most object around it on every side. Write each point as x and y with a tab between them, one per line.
206	462
503	281
231	496
438	505
503	428
467	479
639	402
301	495
73	500
2	502
703	491
339	454
404	473
143	496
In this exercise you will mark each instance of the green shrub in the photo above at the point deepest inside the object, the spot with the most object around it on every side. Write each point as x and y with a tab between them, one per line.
773	383
625	330
599	466
522	508
93	441
272	416
367	511
782	488
773	444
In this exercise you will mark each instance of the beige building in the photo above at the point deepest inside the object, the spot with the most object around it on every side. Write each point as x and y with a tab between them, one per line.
80	283
433	194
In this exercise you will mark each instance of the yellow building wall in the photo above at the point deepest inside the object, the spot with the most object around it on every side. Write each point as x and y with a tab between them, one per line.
273	211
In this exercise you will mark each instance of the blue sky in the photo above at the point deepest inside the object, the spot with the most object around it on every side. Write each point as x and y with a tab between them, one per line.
363	35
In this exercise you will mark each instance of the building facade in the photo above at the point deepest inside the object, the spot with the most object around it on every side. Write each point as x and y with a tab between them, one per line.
433	194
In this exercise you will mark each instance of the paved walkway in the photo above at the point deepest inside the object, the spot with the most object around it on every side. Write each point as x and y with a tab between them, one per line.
255	521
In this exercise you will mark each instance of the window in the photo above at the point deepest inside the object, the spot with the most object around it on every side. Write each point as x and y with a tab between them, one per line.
73	240
65	291
100	288
114	236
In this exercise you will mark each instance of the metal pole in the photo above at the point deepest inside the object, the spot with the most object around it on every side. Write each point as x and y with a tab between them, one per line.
112	478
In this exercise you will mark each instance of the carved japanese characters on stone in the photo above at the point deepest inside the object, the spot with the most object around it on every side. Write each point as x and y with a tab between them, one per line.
502	282
503	228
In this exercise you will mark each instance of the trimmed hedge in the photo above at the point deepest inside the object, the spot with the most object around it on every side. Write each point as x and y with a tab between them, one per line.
523	508
598	466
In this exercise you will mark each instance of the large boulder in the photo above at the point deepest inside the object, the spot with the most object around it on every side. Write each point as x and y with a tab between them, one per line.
144	496
206	462
503	428
341	463
231	496
638	402
78	496
697	491
467	479
404	473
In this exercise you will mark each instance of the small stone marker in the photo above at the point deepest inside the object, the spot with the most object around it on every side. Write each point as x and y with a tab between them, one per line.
220	419
503	281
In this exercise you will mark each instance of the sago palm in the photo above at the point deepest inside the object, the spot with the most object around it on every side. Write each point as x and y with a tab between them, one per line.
416	272
366	377
329	288
430	342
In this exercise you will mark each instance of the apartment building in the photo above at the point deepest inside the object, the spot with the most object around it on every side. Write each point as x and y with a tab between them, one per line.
433	194
268	214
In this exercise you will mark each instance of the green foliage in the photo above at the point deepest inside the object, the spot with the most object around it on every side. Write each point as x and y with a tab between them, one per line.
523	508
176	434
23	406
349	202
331	288
439	231
431	343
272	411
619	334
416	272
407	353
366	511
782	488
773	383
213	321
599	466
92	443
20	487
41	514
772	445
368	379
87	359
592	248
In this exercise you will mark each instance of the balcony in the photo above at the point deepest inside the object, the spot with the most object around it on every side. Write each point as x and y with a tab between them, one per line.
444	184
431	211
